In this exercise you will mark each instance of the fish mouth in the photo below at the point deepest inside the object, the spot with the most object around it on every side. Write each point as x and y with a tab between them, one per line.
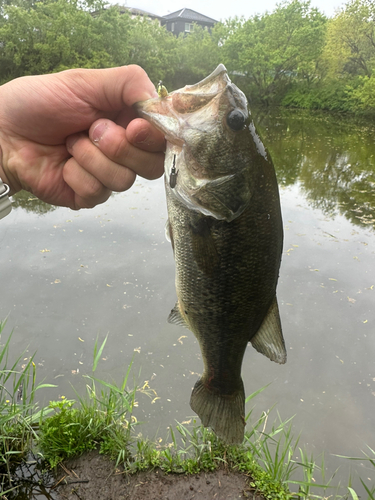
169	113
216	80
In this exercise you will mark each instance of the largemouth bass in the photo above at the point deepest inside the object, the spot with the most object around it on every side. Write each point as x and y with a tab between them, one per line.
225	226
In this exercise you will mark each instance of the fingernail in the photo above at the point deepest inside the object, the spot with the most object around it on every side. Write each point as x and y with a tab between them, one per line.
154	94
98	132
141	137
149	95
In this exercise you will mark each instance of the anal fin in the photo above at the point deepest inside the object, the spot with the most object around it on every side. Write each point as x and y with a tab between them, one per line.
269	339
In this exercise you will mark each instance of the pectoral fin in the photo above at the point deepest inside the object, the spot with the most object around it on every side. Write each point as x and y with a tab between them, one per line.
224	198
269	338
175	317
169	233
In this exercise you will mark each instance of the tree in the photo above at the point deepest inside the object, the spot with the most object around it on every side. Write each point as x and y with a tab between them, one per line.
52	35
154	48
271	50
198	56
350	46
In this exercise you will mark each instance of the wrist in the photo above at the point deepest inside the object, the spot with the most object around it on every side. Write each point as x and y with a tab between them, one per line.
5	204
5	175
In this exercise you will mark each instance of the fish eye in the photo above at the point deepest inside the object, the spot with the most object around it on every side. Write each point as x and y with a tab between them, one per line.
236	120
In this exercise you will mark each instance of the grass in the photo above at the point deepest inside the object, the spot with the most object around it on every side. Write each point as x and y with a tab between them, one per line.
370	459
103	419
18	411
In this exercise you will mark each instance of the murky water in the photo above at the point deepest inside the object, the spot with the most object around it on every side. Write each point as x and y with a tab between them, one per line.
69	278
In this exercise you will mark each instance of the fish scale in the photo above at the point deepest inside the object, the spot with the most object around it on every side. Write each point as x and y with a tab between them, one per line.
225	226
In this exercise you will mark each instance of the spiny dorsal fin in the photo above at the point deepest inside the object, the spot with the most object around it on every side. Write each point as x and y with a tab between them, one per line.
175	317
269	338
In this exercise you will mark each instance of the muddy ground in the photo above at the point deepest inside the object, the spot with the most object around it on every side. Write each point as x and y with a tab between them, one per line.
93	477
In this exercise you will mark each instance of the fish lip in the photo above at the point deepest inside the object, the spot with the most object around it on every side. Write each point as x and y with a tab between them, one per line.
157	109
213	76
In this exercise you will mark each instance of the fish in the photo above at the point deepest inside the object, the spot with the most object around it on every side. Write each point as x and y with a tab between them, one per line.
225	227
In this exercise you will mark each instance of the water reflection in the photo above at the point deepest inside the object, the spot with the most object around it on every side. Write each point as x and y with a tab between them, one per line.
30	203
331	157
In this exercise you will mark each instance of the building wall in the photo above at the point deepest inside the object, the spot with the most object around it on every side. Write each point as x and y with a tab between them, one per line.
181	26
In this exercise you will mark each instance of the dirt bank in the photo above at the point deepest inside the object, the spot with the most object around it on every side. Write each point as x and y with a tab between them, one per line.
93	476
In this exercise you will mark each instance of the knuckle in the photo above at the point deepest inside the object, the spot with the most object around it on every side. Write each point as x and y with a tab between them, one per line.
156	168
121	150
92	191
137	72
123	179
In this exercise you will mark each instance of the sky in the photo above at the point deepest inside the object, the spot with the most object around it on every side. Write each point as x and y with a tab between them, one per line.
222	9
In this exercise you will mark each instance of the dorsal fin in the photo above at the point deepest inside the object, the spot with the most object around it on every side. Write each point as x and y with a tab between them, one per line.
269	338
175	317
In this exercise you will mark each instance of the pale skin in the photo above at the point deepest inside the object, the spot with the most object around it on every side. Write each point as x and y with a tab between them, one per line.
71	138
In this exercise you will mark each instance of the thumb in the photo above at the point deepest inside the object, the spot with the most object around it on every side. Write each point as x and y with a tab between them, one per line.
111	89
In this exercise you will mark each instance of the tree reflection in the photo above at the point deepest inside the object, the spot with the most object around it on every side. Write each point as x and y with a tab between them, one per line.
331	157
30	203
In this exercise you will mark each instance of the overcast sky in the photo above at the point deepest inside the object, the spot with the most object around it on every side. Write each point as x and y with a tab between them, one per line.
222	9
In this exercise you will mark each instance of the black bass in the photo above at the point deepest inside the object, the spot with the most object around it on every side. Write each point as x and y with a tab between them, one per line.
225	227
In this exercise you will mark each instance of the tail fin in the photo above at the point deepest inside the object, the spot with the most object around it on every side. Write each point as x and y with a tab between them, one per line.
224	414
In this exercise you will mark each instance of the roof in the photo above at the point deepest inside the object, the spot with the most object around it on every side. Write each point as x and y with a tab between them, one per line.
137	12
189	15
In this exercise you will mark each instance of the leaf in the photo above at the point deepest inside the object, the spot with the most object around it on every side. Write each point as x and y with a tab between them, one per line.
98	353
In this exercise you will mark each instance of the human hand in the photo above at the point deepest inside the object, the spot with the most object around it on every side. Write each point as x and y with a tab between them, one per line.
71	138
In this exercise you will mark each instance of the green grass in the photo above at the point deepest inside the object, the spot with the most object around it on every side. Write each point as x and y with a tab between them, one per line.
18	411
103	419
370	459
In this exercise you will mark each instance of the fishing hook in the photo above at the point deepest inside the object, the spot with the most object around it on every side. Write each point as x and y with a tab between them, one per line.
173	174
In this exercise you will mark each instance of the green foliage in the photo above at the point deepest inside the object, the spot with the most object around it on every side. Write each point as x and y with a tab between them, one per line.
49	36
292	56
65	434
363	95
332	94
198	55
273	49
196	449
154	48
350	45
18	410
370	459
103	420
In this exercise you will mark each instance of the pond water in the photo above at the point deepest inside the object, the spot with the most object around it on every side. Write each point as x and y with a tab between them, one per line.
68	278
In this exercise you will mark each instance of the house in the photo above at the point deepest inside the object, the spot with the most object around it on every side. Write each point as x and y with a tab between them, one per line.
134	12
182	21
